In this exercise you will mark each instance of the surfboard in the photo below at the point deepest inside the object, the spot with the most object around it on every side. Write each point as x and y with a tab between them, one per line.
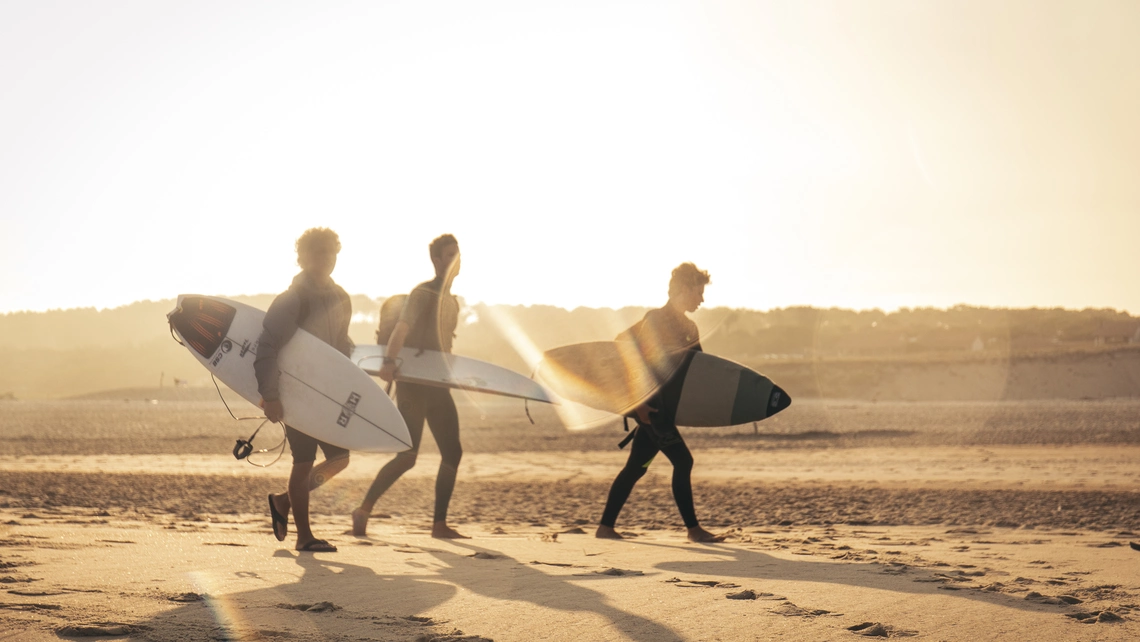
324	394
613	376
445	370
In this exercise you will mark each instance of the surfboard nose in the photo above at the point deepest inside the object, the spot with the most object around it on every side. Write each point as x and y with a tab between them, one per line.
778	400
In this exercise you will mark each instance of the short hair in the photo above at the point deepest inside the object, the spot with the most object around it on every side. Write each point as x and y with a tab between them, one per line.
440	242
687	275
317	237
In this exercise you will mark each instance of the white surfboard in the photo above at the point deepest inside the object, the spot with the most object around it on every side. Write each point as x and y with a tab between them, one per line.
324	394
441	369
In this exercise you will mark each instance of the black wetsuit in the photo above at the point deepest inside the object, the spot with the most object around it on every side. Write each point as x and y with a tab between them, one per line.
663	332
431	316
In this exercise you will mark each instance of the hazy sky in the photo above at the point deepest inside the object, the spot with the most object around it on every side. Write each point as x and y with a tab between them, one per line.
858	154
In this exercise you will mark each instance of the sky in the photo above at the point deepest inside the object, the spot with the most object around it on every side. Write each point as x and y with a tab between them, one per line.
853	154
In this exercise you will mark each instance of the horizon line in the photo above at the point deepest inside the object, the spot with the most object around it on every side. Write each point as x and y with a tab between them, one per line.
571	309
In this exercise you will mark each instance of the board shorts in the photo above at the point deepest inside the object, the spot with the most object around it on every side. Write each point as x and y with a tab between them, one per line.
304	447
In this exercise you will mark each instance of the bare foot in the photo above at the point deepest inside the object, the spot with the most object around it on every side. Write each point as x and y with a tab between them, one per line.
360	522
698	534
607	532
440	530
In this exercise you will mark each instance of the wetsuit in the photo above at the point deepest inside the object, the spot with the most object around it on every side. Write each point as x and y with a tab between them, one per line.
660	336
432	316
323	311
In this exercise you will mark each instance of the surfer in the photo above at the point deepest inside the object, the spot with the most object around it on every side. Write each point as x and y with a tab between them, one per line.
427	322
320	306
661	333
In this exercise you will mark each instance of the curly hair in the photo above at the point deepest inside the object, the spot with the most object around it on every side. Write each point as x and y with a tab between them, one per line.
687	275
317	237
435	249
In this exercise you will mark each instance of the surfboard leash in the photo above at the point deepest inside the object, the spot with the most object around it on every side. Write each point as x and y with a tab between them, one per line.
526	402
244	447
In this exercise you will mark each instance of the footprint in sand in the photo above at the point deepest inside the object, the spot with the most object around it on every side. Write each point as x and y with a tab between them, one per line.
613	572
746	594
880	630
319	607
96	630
791	610
1096	617
700	583
29	593
29	606
1034	596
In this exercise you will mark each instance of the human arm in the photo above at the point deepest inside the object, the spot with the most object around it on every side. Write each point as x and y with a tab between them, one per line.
395	344
278	328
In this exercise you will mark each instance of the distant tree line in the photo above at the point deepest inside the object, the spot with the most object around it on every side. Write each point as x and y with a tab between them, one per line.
64	352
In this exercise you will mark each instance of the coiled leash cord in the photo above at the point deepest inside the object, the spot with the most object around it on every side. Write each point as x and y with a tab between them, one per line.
244	447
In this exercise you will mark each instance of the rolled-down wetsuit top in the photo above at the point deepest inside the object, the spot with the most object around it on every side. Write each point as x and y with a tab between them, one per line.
322	311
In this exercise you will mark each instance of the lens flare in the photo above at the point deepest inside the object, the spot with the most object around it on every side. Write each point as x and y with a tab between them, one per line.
226	614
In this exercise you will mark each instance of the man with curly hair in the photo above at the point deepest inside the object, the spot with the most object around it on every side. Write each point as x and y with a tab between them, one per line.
321	307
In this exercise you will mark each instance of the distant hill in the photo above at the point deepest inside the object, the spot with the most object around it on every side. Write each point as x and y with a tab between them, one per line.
65	353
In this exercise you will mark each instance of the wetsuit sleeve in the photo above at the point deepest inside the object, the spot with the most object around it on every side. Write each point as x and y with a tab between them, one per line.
278	328
346	343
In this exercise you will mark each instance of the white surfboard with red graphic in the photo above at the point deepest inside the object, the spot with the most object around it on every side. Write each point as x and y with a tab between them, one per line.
325	395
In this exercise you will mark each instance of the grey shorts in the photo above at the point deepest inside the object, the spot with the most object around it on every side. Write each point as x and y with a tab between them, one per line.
304	447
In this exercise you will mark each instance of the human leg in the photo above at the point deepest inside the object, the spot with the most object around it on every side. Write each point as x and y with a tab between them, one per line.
443	420
410	402
641	454
682	460
336	460
304	450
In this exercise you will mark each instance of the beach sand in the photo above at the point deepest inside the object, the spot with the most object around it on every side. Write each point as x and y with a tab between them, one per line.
125	516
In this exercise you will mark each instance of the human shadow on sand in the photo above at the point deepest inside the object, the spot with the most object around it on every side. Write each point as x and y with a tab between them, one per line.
742	564
331	600
501	577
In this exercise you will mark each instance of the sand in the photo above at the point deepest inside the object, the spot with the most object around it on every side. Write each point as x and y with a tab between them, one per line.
944	521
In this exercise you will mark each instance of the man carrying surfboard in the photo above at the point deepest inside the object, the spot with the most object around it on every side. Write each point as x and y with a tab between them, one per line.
321	307
427	322
662	334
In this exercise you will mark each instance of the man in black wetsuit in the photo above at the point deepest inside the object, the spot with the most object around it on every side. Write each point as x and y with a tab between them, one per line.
428	321
320	306
662	334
